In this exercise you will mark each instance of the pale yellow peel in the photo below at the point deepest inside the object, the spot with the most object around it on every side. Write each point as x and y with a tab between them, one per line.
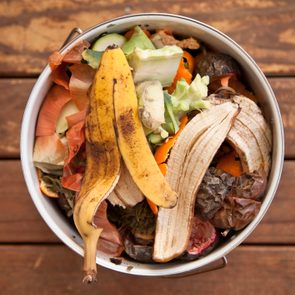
132	141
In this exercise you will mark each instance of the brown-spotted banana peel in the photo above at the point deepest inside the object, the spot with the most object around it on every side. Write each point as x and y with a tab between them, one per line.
102	156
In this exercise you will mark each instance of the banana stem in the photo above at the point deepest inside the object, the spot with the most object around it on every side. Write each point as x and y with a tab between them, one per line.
90	246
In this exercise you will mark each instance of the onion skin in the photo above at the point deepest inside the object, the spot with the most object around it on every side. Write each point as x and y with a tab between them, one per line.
54	101
49	149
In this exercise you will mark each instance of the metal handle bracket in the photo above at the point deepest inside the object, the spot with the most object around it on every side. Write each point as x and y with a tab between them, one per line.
72	34
215	265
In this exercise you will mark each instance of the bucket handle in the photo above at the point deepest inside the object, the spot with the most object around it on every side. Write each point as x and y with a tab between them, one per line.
215	265
72	34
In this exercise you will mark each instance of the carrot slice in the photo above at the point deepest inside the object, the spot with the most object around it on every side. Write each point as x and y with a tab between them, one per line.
161	156
129	34
189	61
224	81
147	32
164	168
153	206
182	73
162	151
230	164
241	88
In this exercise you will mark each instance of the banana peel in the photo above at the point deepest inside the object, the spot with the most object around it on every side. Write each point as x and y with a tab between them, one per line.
250	134
132	142
188	162
102	156
113	100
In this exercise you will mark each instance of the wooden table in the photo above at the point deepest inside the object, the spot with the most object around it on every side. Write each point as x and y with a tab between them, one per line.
32	259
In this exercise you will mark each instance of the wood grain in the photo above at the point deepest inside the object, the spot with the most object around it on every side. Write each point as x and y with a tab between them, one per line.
31	29
284	90
19	218
15	92
32	259
57	270
278	225
20	221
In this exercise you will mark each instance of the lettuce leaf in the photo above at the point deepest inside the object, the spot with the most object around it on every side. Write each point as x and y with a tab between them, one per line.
92	57
184	99
171	124
138	40
155	64
187	97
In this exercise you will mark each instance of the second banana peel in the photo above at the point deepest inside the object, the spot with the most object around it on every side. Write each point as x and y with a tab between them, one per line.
187	165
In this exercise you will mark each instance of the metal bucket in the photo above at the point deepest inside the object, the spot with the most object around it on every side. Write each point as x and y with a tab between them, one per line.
183	26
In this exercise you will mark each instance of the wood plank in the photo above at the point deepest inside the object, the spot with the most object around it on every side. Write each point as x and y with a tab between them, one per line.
14	95
284	90
278	225
57	270
15	92
31	30
20	221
